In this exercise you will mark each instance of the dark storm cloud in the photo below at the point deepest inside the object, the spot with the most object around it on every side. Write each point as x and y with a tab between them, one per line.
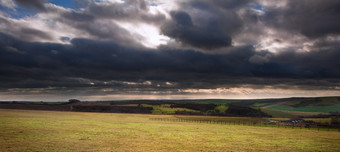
182	29
312	18
88	63
32	4
319	63
224	4
205	24
224	36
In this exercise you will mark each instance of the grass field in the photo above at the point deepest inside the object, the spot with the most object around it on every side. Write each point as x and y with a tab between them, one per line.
288	114
322	109
28	130
165	109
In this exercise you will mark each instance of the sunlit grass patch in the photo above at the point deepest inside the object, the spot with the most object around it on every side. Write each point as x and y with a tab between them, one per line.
167	109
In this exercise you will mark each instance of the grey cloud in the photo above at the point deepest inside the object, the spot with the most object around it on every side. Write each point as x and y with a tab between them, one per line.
65	39
32	4
220	14
182	29
113	59
92	26
106	30
98	20
30	33
261	57
224	4
13	49
205	24
23	32
312	18
78	16
131	11
258	59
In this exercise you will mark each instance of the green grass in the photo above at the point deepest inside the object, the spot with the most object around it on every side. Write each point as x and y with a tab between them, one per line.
257	104
288	114
324	101
221	108
323	109
166	109
330	100
303	107
26	130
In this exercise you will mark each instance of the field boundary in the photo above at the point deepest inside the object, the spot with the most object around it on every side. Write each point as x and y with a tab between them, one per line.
244	123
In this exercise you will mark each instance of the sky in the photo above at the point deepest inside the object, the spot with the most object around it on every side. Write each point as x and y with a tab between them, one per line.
54	50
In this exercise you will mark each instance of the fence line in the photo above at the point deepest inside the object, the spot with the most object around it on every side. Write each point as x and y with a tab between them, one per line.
245	123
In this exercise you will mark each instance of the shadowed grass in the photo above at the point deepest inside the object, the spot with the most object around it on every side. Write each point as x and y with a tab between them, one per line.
25	130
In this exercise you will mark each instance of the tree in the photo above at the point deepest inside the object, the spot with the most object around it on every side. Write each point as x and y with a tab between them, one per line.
73	101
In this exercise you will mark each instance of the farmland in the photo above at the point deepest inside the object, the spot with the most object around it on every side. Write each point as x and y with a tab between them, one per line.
29	130
281	107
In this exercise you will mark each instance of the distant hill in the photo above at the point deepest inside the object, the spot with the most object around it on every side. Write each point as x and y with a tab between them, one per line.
286	107
282	107
277	107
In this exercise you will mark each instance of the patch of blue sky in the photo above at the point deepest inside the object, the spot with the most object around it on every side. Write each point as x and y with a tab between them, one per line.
64	3
257	7
153	4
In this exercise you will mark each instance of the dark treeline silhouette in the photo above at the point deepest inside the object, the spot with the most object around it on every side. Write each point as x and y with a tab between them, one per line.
234	110
112	109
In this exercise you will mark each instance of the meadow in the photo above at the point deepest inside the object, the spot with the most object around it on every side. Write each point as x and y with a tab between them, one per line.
29	130
319	109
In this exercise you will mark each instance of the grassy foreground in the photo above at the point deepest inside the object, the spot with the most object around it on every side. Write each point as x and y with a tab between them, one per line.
28	130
